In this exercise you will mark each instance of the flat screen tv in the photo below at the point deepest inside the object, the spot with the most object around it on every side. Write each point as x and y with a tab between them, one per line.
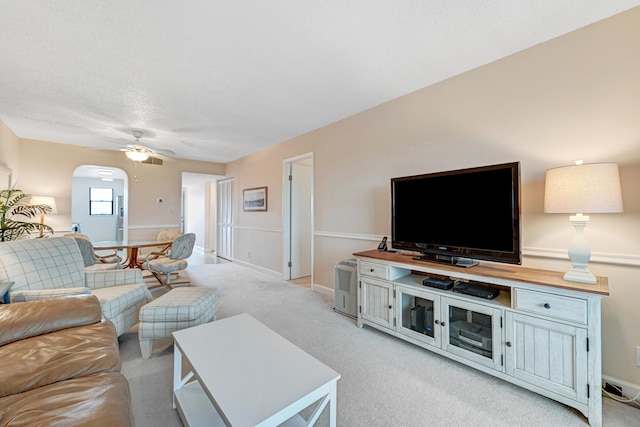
459	216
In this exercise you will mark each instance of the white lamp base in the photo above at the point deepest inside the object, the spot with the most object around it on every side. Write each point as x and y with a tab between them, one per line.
580	275
579	253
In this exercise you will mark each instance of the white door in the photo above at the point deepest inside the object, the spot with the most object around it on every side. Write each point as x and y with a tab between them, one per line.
224	247
300	220
297	225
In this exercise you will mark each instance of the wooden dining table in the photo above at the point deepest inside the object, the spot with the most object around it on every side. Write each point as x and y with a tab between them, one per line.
132	247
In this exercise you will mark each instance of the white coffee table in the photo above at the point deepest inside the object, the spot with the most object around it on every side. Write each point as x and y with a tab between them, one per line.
247	375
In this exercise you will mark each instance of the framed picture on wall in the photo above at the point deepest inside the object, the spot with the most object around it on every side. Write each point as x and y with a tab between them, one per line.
254	199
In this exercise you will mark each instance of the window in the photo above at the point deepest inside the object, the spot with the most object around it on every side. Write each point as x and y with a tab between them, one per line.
100	201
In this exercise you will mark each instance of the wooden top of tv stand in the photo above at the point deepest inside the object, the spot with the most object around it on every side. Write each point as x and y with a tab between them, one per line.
495	270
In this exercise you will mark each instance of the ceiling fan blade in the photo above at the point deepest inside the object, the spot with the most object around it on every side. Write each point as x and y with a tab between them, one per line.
98	149
118	141
162	157
164	151
195	145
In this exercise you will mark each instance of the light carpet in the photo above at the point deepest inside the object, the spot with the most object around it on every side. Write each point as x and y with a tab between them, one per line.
385	381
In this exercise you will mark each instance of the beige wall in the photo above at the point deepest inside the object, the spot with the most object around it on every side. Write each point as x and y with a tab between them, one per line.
9	155
575	97
47	168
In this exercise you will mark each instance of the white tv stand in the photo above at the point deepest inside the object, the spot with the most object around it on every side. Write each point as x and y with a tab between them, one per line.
495	336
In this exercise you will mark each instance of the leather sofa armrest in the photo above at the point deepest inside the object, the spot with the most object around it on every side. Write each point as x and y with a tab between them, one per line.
26	295
28	319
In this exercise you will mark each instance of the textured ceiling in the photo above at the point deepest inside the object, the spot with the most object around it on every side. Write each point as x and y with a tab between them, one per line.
217	80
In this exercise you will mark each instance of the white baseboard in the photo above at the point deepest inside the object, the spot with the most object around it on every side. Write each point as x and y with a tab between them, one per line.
628	389
323	290
278	276
274	274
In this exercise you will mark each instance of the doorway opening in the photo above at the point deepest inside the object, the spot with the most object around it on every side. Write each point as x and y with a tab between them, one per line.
111	224
298	219
198	209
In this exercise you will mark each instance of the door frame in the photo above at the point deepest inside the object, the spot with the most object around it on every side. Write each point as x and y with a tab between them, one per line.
286	215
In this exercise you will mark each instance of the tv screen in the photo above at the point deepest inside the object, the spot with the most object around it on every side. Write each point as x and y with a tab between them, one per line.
468	213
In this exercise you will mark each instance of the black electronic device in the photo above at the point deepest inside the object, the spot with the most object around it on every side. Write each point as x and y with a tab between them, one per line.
422	319
476	290
383	244
438	283
418	321
458	215
470	336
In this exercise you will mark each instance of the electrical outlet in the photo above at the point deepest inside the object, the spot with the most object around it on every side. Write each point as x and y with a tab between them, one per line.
638	356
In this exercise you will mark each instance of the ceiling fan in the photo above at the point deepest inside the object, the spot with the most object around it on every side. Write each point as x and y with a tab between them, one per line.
137	151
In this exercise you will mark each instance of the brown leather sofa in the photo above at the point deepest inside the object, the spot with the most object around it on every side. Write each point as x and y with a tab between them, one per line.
60	365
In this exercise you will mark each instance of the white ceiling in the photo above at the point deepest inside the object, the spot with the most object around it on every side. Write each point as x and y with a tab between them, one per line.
217	80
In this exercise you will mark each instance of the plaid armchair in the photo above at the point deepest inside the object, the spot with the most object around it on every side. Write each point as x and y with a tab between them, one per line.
53	267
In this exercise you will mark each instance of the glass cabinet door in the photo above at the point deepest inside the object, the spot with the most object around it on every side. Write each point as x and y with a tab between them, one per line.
473	332
417	313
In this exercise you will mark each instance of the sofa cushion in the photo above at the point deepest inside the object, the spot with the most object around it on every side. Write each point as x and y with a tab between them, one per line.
109	278
55	262
97	400
27	295
57	356
116	299
180	305
20	321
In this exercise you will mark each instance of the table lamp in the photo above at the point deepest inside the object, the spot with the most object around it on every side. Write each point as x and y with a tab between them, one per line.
44	200
580	189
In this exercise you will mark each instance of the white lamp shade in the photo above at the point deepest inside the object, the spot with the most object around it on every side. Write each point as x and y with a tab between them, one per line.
137	156
590	188
45	200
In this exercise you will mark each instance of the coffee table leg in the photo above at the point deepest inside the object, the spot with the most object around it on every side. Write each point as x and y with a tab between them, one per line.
177	372
333	401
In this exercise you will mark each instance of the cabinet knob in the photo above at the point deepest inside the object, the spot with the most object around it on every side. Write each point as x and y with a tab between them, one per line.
547	305
437	322
390	307
442	323
371	271
508	343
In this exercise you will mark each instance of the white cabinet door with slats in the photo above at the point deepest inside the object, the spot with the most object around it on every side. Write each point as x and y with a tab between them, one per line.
377	301
548	354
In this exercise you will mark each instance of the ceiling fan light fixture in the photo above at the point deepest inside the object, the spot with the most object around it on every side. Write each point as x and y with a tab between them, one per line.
137	156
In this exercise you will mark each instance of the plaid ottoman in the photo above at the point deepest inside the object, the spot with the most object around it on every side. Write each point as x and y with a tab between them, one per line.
179	308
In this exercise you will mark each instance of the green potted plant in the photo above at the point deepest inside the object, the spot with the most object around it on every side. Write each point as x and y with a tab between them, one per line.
14	206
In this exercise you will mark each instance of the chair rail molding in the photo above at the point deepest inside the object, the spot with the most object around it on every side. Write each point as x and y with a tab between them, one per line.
350	236
152	226
254	228
627	260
